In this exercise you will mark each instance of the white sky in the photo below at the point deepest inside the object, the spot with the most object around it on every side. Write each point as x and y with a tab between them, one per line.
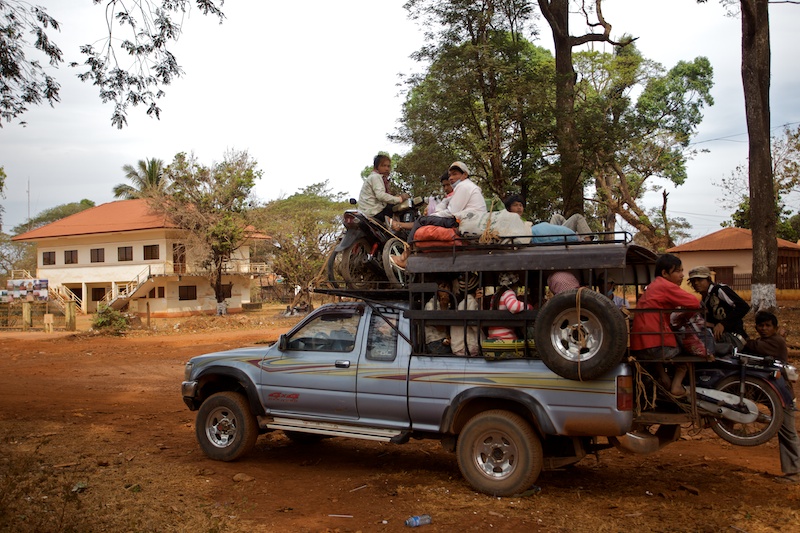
311	92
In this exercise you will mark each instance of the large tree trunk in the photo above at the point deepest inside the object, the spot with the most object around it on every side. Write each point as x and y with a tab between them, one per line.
756	80
557	14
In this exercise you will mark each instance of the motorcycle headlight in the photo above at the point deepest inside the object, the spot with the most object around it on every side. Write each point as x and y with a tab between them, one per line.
790	373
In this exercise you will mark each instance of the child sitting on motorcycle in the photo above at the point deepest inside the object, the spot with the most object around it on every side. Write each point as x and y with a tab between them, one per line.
375	198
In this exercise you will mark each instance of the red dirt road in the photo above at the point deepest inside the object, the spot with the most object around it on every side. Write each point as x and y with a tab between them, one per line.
94	436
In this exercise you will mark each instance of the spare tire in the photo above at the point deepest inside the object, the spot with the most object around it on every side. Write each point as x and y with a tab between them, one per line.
580	334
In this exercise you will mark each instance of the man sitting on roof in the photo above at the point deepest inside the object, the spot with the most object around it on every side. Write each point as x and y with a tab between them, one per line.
467	197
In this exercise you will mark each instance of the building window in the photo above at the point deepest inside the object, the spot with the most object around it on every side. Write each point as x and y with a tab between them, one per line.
125	253
98	293
48	258
71	257
187	292
151	252
98	255
160	292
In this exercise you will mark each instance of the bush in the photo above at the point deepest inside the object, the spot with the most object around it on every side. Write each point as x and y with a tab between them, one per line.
110	320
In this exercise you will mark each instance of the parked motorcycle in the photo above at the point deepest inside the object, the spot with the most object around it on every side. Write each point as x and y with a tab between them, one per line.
361	259
745	395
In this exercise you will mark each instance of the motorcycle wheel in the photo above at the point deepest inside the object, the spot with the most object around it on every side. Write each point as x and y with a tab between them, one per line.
770	416
356	269
395	247
334	270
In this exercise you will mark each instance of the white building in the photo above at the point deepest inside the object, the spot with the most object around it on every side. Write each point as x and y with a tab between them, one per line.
122	254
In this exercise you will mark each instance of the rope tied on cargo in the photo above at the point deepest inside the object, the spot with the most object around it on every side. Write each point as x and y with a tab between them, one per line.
581	334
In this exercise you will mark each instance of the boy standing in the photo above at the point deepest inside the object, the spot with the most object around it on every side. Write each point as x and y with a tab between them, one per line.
771	344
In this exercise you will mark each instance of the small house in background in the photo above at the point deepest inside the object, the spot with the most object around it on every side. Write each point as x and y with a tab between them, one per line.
123	255
729	253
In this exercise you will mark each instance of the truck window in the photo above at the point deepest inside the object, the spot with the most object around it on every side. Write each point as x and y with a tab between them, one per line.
382	340
333	332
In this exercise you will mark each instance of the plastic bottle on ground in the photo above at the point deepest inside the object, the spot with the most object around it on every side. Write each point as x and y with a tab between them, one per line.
420	520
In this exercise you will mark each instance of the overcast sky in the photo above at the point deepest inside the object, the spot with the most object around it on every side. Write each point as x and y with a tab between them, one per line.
312	92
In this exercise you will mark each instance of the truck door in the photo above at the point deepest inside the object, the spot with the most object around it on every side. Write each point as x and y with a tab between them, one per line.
313	369
382	375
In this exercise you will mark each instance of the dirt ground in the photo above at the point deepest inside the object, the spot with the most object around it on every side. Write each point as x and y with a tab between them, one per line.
94	436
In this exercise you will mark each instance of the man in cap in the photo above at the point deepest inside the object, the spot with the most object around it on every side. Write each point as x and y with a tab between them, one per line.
724	309
467	197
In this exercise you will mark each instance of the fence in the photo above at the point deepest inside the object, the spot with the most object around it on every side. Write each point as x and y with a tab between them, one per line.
13	316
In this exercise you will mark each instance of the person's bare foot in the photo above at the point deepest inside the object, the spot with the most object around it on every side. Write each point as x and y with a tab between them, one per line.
679	391
398	261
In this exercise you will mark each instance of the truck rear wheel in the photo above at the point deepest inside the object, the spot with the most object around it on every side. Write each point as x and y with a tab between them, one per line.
580	334
499	453
225	427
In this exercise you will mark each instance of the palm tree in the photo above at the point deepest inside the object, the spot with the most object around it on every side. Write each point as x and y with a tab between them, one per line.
147	178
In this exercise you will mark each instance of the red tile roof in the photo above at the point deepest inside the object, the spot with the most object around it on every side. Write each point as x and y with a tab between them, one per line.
727	239
124	215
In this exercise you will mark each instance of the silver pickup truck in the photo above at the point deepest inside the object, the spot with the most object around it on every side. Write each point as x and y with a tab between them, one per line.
348	370
567	387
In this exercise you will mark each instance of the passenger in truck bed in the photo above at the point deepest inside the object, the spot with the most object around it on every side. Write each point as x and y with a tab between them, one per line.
437	338
652	336
506	299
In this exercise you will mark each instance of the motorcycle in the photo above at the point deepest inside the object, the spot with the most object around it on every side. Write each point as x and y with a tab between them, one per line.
745	396
361	259
740	396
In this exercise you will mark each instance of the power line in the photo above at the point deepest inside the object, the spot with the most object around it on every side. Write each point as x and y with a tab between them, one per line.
726	137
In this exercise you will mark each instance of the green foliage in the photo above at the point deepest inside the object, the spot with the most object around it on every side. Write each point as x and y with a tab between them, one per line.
129	66
53	214
213	205
22	255
486	98
109	320
147	179
303	229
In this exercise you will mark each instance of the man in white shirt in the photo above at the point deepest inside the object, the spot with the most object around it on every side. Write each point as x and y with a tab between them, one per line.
467	197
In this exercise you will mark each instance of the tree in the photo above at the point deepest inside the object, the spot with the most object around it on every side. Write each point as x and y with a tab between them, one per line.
485	98
129	66
212	205
147	179
785	157
755	82
557	14
636	120
22	255
2	193
303	230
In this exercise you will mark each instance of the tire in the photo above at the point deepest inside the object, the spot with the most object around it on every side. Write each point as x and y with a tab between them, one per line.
557	329
769	420
334	270
356	269
225	427
499	453
394	247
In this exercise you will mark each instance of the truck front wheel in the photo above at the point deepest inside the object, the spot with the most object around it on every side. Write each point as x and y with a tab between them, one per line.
225	427
499	453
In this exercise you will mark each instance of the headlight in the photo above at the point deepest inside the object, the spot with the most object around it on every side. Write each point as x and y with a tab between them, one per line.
790	372
187	371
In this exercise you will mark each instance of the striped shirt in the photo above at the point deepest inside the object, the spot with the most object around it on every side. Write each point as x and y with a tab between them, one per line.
508	301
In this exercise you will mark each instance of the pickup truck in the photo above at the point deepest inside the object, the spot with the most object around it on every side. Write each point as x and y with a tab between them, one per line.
348	370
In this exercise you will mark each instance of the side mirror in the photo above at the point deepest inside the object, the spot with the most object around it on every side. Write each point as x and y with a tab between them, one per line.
282	342
353	201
